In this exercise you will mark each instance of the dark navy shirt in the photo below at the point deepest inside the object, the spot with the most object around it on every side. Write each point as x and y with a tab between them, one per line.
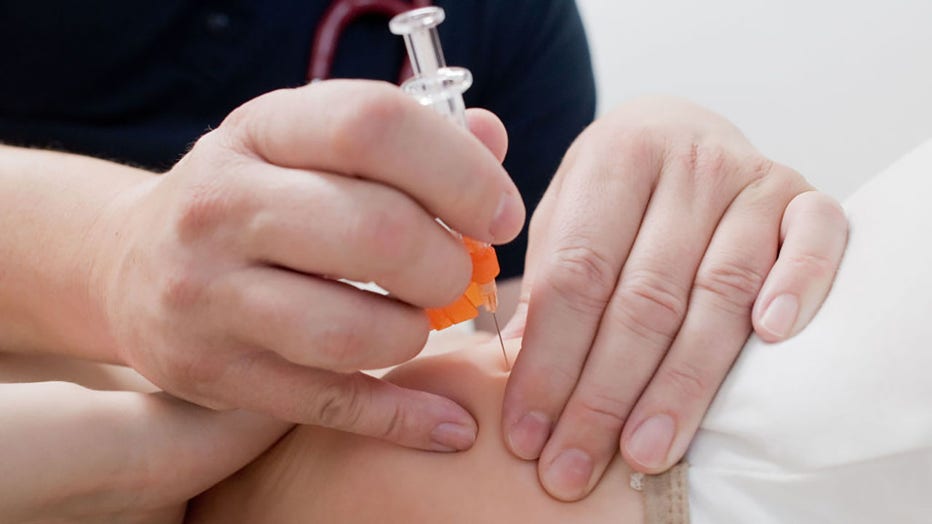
138	81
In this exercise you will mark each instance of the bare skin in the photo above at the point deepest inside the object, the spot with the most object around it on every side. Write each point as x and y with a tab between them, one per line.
320	475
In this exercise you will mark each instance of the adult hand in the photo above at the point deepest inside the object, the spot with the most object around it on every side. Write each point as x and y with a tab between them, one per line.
664	235
70	454
224	286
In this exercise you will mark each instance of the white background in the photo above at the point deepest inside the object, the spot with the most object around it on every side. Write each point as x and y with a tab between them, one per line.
835	89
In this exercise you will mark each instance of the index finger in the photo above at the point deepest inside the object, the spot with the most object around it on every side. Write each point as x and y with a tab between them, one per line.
372	130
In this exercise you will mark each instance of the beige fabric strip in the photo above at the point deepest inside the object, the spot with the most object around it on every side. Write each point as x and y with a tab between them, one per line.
666	500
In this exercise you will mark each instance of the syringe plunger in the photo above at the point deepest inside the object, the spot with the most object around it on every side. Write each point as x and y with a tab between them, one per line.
419	29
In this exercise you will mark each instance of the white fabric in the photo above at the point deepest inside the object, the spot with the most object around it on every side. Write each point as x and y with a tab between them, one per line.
836	424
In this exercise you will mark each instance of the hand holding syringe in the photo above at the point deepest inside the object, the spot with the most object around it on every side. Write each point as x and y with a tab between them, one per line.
441	88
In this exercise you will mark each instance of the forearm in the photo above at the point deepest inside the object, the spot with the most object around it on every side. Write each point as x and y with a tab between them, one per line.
34	367
60	450
70	454
51	245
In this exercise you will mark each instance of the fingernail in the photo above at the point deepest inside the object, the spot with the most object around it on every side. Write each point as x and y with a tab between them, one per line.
780	316
651	442
568	476
452	437
507	215
529	434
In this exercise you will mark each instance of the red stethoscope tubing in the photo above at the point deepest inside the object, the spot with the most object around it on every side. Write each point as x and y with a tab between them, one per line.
337	18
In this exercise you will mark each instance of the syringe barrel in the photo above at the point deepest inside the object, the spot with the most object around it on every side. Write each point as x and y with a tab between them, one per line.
425	52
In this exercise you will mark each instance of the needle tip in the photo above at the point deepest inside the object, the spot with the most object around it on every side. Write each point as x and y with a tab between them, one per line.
501	341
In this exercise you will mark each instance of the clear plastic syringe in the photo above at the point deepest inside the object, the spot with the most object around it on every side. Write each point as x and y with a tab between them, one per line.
440	87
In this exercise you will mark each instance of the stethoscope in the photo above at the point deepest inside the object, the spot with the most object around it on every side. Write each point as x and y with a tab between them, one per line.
337	18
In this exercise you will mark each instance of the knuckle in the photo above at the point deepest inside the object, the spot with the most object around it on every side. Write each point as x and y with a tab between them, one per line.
240	129
761	167
399	239
708	164
601	406
276	313
245	128
759	197
375	111
637	143
240	116
261	229
711	160
733	283
557	379
650	305
395	428
340	344
545	387
716	168
697	158
770	184
338	403
205	207
814	265
244	366
686	380
582	277
388	232
193	375
182	289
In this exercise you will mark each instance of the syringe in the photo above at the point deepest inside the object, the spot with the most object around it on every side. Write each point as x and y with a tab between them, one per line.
440	87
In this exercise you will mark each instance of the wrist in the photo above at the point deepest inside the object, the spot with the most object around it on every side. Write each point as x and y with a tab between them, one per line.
50	238
110	250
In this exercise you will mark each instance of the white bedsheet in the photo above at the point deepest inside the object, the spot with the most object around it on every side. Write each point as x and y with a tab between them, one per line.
836	424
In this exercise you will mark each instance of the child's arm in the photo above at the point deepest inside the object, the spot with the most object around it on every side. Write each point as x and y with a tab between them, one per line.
72	454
